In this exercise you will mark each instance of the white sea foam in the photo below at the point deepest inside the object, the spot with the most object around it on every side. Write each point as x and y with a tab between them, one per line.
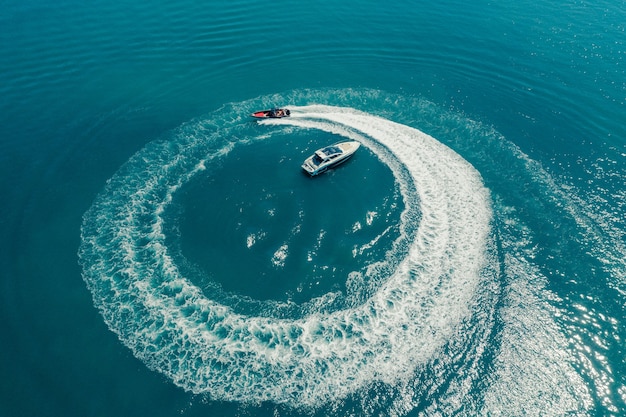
371	243
371	215
205	347
280	256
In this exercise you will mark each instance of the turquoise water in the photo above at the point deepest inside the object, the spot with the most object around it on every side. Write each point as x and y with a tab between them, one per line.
163	254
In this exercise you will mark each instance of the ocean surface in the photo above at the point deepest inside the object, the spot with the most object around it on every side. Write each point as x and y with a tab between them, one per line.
163	254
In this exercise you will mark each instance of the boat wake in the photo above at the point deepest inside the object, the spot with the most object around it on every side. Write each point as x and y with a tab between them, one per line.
422	331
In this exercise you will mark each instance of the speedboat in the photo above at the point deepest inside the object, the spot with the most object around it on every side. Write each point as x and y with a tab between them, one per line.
274	113
329	157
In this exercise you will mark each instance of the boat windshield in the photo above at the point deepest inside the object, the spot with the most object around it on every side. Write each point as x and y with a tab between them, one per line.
317	160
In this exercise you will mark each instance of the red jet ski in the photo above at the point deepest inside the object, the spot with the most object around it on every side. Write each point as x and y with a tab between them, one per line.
275	113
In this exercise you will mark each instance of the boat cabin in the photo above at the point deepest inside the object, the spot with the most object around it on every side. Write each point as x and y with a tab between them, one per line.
327	154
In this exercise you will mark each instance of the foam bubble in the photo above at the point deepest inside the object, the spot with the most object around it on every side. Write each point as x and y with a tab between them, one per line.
371	215
280	256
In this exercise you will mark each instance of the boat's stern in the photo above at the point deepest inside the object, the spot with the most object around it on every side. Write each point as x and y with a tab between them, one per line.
309	168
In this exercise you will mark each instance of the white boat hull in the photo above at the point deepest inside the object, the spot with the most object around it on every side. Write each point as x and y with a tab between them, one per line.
329	157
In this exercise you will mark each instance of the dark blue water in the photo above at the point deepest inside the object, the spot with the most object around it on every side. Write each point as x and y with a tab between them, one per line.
164	254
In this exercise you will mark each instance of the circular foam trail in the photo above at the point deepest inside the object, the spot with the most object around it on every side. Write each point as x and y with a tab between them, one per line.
205	347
